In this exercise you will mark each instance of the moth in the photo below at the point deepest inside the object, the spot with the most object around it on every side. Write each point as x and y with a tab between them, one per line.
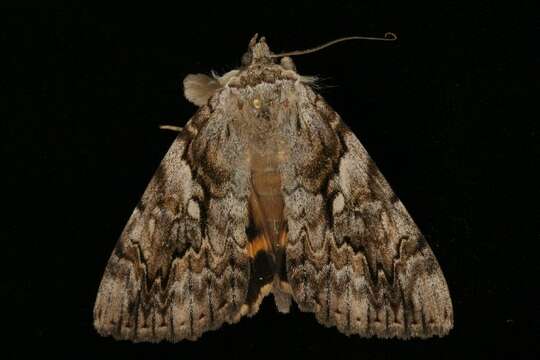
266	191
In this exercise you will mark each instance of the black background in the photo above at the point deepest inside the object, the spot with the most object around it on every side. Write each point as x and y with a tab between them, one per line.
441	111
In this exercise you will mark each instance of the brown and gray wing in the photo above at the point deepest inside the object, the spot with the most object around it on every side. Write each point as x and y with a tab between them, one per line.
354	255
181	267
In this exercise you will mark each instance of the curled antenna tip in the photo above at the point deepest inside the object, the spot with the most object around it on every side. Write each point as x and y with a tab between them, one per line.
390	36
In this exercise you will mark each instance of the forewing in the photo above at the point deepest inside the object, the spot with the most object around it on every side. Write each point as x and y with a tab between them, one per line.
181	266
354	255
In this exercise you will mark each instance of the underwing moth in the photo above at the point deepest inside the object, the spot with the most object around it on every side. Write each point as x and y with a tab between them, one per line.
266	191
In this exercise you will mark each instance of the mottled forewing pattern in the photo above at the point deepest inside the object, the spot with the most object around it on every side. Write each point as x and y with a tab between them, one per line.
354	256
180	266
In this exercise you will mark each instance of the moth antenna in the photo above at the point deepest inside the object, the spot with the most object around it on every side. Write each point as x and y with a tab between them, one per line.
389	36
170	127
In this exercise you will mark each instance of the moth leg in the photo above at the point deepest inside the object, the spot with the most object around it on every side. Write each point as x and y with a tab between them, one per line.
171	127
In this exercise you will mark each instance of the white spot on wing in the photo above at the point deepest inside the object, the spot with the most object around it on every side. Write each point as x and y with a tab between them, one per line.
338	204
193	209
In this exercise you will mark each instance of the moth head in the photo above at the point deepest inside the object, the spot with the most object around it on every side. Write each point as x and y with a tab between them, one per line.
199	88
258	52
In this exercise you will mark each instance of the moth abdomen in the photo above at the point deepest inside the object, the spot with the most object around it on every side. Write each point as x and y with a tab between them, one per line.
262	273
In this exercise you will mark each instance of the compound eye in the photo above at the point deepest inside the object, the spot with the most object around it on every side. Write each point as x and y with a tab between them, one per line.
287	63
246	58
